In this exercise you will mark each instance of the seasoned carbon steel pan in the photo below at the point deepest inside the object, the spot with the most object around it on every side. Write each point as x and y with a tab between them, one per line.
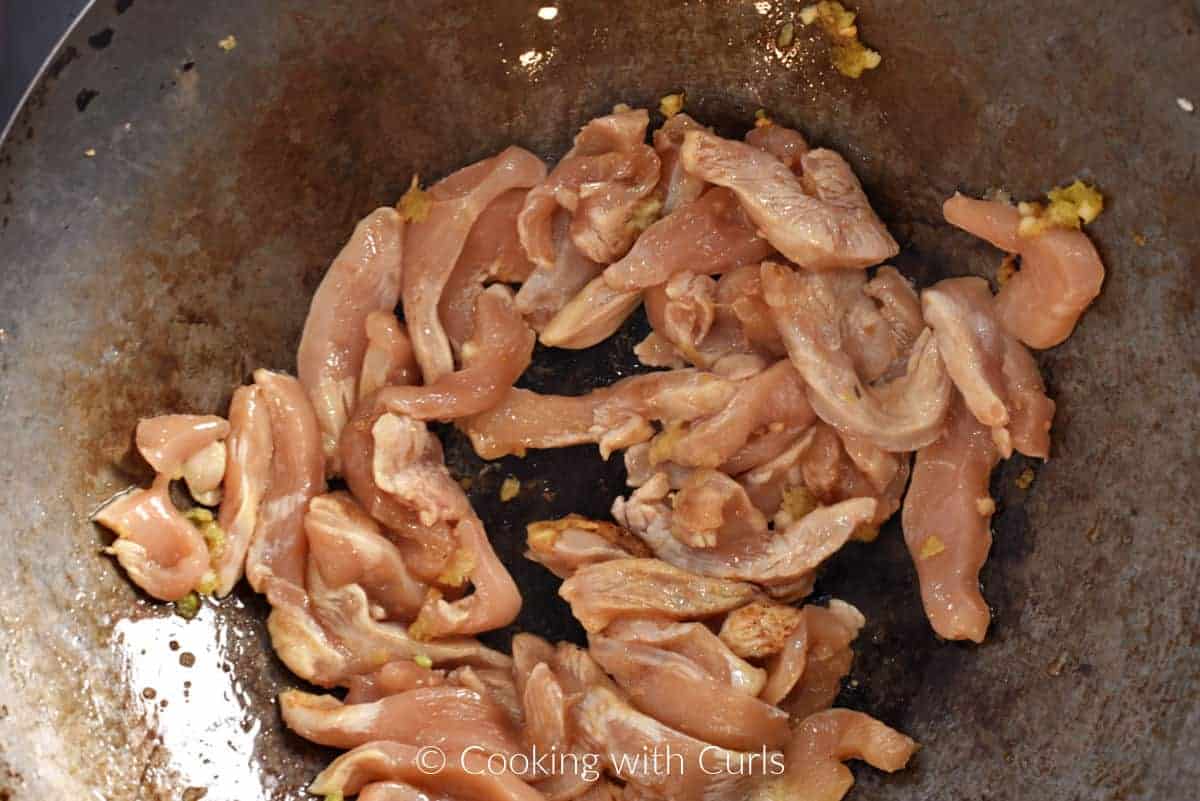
168	205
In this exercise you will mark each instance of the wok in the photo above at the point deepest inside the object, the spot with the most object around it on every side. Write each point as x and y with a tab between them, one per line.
154	274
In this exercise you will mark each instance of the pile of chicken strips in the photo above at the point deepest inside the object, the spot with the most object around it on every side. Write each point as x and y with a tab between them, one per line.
798	376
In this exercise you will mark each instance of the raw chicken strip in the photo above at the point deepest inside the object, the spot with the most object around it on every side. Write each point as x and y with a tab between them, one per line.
899	305
494	602
408	466
499	351
820	220
615	416
427	548
492	252
326	636
697	770
971	343
711	508
348	547
901	415
545	711
603	592
676	186
169	441
709	235
590	317
1030	411
162	552
450	718
773	398
829	631
1061	272
392	678
550	287
364	278
823	742
247	476
765	558
465	776
203	473
946	519
783	143
697	643
398	791
279	547
567	544
601	180
433	247
389	359
665	685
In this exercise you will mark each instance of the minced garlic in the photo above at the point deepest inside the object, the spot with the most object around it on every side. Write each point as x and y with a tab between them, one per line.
423	661
645	213
1025	479
458	568
762	119
932	546
850	56
414	206
509	489
670	105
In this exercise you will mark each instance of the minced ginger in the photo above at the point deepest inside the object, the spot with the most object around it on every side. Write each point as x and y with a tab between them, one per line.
414	206
1070	206
850	56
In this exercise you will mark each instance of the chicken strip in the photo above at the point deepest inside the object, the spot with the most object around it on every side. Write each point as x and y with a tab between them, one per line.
364	278
821	220
247	478
698	770
676	186
600	181
615	416
492	251
167	442
709	235
603	592
804	689
465	775
549	289
348	547
783	143
824	741
971	343
563	546
279	547
696	643
162	551
327	636
433	246
901	415
388	360
1061	272
665	684
773	398
391	679
451	718
947	516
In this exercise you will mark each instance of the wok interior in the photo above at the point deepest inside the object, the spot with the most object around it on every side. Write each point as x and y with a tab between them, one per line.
196	236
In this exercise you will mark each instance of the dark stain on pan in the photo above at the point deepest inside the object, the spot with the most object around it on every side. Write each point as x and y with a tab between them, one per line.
100	39
84	98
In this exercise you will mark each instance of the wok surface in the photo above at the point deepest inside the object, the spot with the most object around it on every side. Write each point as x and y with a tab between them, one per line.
153	276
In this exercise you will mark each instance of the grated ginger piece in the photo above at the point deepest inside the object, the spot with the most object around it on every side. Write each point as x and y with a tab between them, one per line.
1025	480
670	105
645	214
509	489
1070	206
458	568
762	119
414	206
932	546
